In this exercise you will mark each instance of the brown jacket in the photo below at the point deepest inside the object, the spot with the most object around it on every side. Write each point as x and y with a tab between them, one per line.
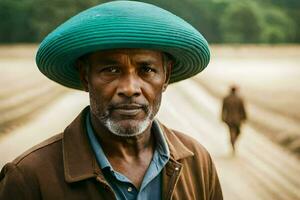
64	167
233	110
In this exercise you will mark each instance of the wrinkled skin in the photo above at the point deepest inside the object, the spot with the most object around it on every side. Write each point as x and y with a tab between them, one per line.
125	87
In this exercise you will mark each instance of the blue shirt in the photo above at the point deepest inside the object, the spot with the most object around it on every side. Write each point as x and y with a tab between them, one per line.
151	187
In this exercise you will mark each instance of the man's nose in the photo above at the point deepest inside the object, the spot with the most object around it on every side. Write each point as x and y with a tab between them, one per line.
129	86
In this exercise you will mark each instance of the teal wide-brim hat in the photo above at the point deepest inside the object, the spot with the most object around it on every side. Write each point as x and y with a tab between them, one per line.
121	24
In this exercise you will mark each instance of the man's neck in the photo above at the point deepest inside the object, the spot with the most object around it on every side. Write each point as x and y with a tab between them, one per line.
129	156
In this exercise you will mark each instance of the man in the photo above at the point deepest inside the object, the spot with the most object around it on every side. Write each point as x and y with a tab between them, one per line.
233	114
124	54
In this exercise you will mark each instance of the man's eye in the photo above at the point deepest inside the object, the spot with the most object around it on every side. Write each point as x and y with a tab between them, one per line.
110	69
147	69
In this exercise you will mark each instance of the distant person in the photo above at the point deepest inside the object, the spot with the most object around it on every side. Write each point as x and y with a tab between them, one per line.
124	54
233	114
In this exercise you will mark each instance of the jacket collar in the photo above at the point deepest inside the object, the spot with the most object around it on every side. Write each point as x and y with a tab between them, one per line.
78	157
177	149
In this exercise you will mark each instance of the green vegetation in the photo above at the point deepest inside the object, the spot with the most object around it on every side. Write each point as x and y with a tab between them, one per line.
220	21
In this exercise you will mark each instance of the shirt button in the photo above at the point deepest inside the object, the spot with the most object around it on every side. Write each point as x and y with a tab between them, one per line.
176	168
129	189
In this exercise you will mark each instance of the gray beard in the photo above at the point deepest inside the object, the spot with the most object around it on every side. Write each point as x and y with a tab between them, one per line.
115	128
118	130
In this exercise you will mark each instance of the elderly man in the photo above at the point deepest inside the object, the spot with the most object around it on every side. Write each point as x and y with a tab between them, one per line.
124	54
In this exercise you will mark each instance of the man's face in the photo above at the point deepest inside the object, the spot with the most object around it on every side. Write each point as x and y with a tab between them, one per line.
125	88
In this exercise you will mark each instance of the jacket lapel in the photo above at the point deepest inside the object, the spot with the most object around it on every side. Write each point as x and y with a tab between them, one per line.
79	160
173	168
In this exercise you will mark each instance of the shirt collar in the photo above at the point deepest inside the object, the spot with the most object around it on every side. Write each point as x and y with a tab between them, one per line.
161	143
100	156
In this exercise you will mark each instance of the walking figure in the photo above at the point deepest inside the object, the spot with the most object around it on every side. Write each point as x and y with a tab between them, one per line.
233	114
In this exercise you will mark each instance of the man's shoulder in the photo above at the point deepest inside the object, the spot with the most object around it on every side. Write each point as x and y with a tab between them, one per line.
40	152
233	99
189	142
20	178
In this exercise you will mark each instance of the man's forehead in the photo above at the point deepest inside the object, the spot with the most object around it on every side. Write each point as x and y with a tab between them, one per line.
133	53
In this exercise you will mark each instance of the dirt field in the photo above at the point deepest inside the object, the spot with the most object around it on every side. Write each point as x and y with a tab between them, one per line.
268	77
23	89
269	81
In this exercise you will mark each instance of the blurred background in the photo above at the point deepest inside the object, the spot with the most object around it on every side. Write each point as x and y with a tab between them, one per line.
254	45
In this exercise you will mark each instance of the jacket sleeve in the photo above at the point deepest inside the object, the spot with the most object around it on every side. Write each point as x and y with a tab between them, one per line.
243	111
224	111
13	184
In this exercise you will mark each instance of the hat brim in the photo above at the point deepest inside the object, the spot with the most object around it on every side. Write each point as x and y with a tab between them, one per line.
86	33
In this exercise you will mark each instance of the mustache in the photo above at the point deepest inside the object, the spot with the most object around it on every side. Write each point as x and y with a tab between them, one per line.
129	105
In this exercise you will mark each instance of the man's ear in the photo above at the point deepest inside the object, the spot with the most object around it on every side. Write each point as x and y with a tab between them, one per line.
168	74
83	74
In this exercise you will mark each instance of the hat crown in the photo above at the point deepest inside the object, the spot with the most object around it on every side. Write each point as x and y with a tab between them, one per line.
127	9
122	13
